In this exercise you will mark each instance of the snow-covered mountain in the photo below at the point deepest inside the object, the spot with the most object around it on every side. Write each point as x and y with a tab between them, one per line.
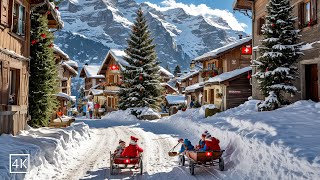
92	27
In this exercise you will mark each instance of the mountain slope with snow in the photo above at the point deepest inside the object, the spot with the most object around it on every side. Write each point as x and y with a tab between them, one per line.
92	27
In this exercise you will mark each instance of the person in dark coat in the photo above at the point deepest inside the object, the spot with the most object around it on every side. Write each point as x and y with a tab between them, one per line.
191	104
133	150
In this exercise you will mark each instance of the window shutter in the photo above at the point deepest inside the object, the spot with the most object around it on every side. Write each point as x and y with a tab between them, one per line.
301	14
313	10
4	75
4	12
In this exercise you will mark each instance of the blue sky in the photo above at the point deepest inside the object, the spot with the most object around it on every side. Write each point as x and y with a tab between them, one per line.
213	4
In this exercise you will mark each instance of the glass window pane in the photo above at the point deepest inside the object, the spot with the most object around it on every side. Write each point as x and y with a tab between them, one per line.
308	12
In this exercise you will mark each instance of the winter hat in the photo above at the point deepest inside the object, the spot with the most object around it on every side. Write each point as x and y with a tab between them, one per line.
205	134
180	140
133	140
120	141
208	137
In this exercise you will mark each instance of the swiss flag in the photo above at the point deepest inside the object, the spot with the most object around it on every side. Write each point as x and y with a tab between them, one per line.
246	50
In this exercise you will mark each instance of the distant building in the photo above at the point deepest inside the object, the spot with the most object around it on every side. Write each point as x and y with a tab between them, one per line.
91	77
226	75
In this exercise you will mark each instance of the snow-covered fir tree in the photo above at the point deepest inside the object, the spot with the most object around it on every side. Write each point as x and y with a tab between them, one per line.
43	72
279	52
177	70
141	79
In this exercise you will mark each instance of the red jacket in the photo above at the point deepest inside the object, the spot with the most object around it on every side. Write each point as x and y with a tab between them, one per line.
213	144
132	151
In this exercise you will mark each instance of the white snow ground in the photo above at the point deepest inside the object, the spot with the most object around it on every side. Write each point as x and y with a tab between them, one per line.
282	144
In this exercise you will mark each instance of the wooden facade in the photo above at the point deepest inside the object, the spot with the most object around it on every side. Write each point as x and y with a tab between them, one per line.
14	63
91	79
221	61
14	66
111	70
229	93
308	21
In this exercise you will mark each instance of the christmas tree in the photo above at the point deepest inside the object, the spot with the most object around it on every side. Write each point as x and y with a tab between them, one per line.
279	52
177	70
141	80
43	72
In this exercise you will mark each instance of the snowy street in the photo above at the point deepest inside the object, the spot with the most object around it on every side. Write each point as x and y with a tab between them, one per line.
94	164
258	145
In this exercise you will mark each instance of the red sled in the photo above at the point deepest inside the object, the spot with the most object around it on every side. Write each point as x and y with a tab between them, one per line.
118	163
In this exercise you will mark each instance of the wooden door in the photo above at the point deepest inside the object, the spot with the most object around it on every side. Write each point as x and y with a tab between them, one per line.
312	82
211	96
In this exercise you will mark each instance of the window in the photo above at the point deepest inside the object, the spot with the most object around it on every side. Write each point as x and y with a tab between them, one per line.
261	22
18	19
111	79
307	13
14	86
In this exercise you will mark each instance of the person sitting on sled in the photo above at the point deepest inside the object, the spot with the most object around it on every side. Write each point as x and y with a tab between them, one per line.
202	141
211	144
185	146
120	148
133	150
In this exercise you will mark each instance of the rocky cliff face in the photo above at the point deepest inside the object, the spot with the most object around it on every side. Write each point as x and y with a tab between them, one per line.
92	27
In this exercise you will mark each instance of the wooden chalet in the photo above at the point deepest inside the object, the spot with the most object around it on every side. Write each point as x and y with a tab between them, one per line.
14	60
221	62
111	69
65	73
188	78
307	11
91	78
191	84
229	89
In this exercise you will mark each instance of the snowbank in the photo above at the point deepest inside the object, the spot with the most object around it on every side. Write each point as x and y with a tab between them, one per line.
48	148
281	144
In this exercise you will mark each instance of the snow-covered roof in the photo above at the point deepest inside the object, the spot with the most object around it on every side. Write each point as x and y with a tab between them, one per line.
189	74
166	72
72	63
194	87
60	52
73	71
53	11
225	48
13	54
175	99
167	84
64	95
228	75
96	92
91	71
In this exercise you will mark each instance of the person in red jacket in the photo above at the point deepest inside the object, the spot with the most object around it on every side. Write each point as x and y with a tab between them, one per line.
211	144
133	150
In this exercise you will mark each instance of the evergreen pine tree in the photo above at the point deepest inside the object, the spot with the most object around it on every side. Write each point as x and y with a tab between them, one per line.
43	72
279	52
177	70
141	80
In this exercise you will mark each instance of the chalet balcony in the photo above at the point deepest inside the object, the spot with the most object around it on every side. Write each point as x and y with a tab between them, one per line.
206	74
111	88
242	4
